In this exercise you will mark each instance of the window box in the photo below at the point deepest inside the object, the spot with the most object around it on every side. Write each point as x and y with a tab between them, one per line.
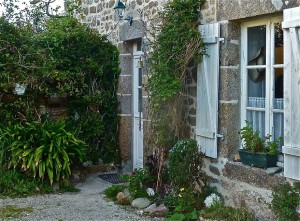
264	160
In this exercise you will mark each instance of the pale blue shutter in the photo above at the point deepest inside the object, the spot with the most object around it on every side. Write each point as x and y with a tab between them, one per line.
207	92
291	149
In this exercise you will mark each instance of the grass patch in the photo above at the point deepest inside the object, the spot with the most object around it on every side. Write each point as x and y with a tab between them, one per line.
226	213
14	184
14	212
67	186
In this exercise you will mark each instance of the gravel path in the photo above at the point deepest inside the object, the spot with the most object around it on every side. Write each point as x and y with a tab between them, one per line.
87	205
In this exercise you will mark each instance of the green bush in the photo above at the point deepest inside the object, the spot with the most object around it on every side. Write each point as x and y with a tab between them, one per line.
66	58
15	184
285	202
139	181
42	149
185	166
112	191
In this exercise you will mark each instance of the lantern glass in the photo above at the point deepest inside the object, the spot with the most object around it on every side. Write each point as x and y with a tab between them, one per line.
119	9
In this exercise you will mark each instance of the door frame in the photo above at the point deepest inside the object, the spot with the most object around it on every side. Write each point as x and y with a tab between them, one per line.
137	116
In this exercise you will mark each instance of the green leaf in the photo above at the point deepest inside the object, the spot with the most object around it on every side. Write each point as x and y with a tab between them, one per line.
26	152
50	174
176	217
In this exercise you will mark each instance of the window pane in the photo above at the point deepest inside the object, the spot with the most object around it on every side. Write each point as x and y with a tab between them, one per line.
278	89
256	44
256	92
258	121
278	127
278	36
256	76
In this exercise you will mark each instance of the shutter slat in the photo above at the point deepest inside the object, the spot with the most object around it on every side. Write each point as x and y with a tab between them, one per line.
207	92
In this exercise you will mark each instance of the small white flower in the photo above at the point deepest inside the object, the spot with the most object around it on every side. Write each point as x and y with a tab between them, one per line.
150	192
211	200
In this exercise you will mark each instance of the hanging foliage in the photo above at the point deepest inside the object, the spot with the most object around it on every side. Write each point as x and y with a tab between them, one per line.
177	44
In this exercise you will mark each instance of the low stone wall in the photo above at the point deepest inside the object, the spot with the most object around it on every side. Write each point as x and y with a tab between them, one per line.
244	186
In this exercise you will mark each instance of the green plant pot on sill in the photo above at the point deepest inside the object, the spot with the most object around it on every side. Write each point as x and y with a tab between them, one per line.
264	160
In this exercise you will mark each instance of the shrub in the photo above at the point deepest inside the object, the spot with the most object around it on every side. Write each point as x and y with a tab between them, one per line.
286	200
65	58
112	191
185	166
42	149
139	181
15	184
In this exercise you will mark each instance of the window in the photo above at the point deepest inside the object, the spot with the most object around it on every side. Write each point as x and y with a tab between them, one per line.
262	76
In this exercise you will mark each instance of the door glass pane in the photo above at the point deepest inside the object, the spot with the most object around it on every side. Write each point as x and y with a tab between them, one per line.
140	96
140	77
278	36
139	45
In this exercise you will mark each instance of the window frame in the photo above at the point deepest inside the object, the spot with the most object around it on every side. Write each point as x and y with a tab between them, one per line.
269	67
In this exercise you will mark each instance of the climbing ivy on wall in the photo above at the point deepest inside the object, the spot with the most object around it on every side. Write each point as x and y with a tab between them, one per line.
69	60
177	44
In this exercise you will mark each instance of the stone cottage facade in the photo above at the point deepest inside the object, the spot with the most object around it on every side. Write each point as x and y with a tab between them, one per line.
237	32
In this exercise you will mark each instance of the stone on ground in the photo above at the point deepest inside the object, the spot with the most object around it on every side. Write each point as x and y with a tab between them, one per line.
150	208
159	211
140	203
121	199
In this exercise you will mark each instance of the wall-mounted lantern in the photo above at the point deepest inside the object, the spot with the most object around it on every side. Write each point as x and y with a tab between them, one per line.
120	11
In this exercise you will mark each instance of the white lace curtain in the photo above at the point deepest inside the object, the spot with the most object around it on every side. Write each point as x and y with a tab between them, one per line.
257	117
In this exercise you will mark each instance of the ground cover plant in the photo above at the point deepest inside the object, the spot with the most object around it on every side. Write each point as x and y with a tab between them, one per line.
220	212
13	212
16	184
186	192
286	201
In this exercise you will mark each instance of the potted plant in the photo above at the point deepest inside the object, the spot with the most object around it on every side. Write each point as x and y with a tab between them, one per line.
257	151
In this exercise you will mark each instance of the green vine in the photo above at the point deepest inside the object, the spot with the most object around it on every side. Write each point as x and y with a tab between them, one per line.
177	45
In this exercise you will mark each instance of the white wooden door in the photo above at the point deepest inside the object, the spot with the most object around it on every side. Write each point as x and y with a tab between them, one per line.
207	92
138	147
291	149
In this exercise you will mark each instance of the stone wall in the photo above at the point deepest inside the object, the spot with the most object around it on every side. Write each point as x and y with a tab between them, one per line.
241	185
99	15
